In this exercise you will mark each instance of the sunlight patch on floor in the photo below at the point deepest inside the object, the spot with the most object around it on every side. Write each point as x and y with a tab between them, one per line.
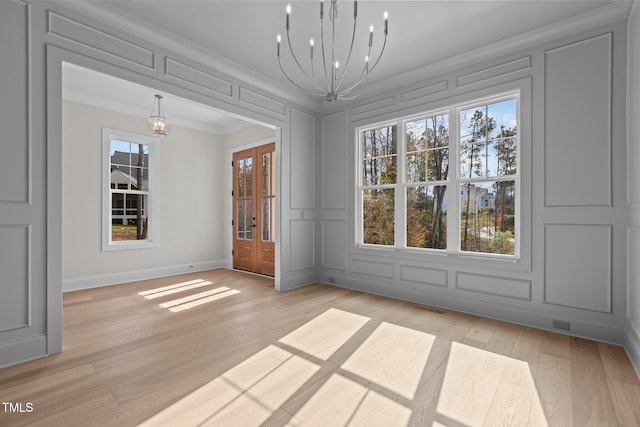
201	301
174	289
485	388
193	297
189	301
246	395
393	357
326	333
300	380
341	402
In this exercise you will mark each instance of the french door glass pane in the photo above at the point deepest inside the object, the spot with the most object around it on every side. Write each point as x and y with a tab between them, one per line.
266	174
248	222
240	219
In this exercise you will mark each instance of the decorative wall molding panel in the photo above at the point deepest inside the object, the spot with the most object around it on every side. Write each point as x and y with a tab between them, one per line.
197	78
15	292
102	41
302	160
424	93
15	163
334	256
423	276
261	101
578	123
372	106
334	155
24	237
506	69
494	285
578	266
303	243
372	268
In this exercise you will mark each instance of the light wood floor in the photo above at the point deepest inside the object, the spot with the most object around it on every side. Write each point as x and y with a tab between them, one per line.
145	353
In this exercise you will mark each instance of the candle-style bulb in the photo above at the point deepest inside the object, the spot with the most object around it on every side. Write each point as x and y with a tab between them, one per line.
355	8
288	13
371	36
321	9
311	43
386	23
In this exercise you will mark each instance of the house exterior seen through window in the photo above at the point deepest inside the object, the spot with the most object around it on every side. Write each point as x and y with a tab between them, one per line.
443	181
128	190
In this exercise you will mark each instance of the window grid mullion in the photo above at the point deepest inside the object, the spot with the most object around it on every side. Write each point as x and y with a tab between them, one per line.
401	191
453	201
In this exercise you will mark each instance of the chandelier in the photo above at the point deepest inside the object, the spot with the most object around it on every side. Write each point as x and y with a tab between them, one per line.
156	123
332	84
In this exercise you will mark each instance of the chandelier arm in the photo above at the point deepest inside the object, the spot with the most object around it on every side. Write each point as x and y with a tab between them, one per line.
361	79
313	75
295	58
319	92
333	53
346	63
366	72
379	56
324	59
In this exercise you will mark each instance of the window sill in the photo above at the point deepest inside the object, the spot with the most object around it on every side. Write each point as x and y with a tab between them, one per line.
130	245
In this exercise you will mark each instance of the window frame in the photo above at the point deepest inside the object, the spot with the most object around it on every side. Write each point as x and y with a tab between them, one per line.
153	193
451	108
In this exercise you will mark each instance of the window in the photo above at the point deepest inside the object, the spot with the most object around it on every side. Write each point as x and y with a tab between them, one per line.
130	191
488	168
407	180
379	179
427	173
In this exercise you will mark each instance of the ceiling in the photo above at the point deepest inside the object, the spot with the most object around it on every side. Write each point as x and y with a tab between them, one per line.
100	90
421	33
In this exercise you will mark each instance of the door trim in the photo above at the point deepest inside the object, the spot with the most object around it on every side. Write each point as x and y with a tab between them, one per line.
229	180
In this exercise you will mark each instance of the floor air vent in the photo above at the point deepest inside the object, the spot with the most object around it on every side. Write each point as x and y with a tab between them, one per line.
432	309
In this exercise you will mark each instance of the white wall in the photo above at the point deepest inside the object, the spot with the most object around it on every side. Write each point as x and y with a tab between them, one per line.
632	336
191	173
573	102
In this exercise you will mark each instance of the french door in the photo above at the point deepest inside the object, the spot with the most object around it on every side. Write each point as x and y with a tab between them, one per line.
254	209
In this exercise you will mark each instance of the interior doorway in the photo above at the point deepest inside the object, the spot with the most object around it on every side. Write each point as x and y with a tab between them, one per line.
254	201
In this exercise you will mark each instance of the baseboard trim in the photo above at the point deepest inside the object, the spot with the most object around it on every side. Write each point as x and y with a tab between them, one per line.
608	333
632	346
15	352
80	283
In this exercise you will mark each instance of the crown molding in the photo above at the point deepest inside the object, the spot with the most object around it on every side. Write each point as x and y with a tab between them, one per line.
103	12
614	11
